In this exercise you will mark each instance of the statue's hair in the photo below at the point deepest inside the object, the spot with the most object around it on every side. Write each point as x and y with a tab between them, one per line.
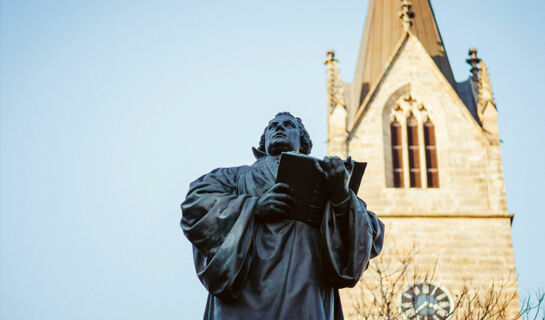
306	143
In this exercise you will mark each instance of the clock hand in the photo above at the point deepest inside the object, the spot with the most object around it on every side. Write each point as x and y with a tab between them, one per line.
424	305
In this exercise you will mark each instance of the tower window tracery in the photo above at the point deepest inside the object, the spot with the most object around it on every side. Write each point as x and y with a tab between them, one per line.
413	145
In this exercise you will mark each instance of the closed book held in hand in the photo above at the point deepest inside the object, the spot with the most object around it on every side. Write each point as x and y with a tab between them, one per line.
300	173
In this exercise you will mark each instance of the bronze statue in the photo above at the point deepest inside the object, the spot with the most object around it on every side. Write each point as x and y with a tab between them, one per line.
256	262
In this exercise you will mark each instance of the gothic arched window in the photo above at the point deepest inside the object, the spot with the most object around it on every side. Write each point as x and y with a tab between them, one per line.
413	145
397	154
432	171
414	152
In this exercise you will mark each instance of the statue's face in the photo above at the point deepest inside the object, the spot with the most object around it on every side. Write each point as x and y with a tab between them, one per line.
282	134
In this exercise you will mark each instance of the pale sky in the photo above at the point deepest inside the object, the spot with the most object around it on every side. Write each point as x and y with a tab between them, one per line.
109	109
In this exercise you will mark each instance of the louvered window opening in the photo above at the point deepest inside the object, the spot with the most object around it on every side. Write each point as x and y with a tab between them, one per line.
414	152
397	154
415	172
432	172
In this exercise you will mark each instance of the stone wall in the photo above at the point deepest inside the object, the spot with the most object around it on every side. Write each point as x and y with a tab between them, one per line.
476	252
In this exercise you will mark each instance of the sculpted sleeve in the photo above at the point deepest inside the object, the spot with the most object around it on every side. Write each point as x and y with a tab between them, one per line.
220	225
349	241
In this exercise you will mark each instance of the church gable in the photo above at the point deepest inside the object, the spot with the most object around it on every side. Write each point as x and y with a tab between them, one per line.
424	137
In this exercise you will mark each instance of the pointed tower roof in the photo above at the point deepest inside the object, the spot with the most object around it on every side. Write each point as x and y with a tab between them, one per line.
386	22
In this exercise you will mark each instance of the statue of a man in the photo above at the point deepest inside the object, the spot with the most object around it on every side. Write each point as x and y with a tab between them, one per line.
256	262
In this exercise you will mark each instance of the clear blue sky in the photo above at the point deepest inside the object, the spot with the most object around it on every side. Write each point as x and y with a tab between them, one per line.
108	109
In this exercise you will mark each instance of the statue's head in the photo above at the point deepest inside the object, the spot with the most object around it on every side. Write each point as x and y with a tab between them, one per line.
285	133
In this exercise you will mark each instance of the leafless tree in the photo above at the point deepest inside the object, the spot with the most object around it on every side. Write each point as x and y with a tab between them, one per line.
378	294
532	308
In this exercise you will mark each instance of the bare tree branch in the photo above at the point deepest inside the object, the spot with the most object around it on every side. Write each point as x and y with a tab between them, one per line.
378	294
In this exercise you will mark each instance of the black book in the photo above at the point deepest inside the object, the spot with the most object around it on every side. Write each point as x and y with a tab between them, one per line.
300	173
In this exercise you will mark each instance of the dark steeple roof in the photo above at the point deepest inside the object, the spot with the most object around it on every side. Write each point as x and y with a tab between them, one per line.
384	29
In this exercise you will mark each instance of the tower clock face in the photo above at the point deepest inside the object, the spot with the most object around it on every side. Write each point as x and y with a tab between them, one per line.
426	301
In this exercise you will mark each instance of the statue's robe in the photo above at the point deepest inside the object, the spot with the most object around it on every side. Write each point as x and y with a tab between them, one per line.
285	269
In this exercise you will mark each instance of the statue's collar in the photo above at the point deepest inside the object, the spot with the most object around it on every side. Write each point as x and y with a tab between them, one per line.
262	156
258	154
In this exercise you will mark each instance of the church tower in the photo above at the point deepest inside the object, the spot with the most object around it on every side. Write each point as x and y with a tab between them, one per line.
434	173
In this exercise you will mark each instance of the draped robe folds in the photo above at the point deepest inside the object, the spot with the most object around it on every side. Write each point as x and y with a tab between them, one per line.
285	269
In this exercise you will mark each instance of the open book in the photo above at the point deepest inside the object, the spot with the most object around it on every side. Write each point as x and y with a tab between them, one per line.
300	173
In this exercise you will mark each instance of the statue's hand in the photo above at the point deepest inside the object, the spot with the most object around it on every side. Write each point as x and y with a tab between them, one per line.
336	177
275	203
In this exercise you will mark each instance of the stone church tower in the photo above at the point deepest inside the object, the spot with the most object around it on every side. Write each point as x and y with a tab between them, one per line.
434	172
